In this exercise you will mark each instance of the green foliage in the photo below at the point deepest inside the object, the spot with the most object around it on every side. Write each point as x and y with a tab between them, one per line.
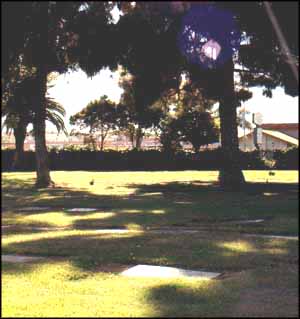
24	38
20	108
191	120
197	128
99	116
288	159
169	136
134	120
86	158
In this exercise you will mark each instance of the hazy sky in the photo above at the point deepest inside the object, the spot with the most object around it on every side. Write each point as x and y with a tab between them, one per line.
75	90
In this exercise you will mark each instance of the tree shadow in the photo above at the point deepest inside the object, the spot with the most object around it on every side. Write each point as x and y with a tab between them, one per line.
196	204
89	251
215	252
178	301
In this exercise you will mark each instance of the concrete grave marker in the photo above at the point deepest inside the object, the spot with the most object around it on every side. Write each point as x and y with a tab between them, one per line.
248	221
19	259
166	272
81	209
35	208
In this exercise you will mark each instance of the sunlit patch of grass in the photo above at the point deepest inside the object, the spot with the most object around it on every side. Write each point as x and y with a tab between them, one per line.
62	290
131	211
22	238
134	226
77	287
280	176
102	215
151	194
158	211
57	219
238	246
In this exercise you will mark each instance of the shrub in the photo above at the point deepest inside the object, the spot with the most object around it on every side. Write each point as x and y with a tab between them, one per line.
288	159
71	158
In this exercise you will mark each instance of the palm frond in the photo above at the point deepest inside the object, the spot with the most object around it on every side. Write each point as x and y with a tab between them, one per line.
55	106
56	120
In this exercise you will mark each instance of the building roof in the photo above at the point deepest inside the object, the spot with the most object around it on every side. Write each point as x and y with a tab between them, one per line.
282	136
279	135
280	126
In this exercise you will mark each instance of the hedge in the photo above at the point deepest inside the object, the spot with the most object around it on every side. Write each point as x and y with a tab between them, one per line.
288	159
133	160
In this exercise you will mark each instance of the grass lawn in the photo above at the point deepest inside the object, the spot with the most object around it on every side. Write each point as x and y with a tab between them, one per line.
80	276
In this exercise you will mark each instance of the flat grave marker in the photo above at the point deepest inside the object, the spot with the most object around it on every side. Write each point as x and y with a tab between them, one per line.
166	272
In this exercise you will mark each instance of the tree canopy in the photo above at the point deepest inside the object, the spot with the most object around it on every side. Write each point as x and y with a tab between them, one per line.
99	116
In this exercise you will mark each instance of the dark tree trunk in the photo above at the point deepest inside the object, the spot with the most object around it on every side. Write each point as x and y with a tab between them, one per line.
42	166
102	144
20	135
138	138
230	176
196	148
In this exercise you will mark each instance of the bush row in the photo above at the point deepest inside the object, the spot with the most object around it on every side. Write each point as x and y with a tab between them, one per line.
110	160
288	159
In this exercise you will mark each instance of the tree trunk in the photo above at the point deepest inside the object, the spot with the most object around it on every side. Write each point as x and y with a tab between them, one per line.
102	139
42	166
230	176
196	148
20	135
138	138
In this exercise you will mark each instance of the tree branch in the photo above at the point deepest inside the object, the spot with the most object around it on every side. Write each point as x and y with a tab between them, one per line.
246	71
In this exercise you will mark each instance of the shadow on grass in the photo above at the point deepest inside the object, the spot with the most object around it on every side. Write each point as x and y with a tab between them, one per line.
89	251
207	300
216	252
166	204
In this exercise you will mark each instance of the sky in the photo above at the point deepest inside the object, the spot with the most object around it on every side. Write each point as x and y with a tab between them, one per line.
75	90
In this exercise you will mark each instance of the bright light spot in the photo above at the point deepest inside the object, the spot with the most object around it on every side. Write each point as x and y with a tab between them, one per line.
116	13
211	49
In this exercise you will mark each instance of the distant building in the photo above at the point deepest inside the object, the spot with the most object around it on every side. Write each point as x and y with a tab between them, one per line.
274	137
291	129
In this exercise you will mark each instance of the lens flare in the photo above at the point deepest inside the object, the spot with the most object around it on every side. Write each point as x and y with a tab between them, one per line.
209	36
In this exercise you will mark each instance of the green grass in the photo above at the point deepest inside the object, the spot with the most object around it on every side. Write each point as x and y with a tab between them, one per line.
62	290
84	282
153	199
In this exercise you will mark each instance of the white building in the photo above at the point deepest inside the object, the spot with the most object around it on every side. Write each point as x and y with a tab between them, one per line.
274	137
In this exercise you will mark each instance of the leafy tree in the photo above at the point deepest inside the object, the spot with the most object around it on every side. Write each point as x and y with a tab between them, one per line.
262	65
133	120
37	34
197	128
99	116
241	119
260	55
169	136
19	112
190	120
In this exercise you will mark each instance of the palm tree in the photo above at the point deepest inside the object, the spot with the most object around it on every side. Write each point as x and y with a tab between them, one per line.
19	113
